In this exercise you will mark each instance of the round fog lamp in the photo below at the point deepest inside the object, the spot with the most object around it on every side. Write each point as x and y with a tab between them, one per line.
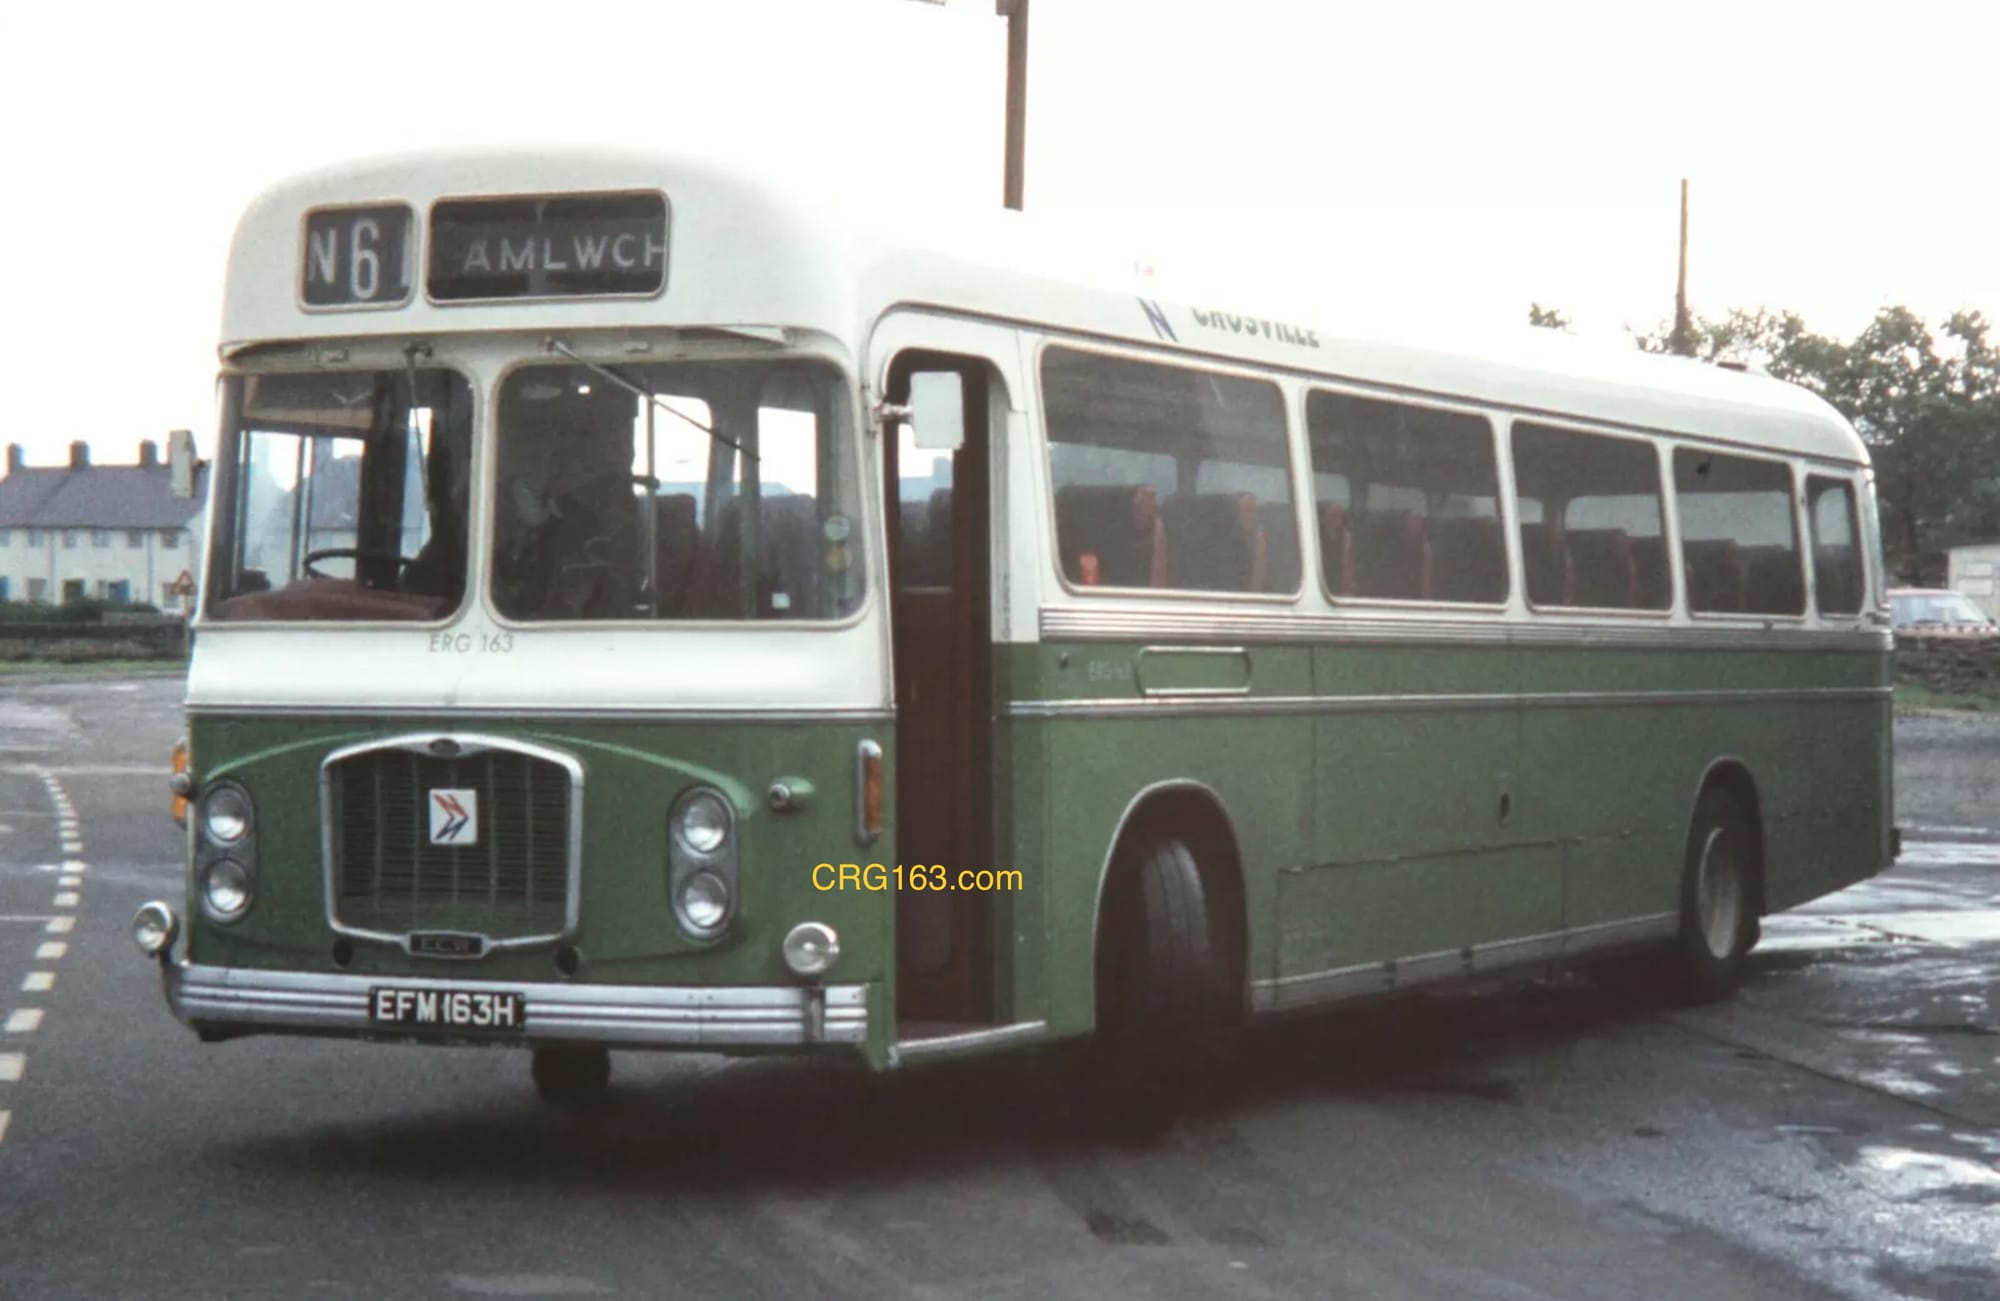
226	890
225	814
810	948
704	901
703	822
154	928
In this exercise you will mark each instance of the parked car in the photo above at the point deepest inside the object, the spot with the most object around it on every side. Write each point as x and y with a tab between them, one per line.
1939	611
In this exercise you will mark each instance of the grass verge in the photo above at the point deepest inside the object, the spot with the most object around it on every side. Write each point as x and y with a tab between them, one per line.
1916	700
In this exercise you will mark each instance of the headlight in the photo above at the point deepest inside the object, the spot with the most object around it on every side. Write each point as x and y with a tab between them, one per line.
702	822
811	948
226	813
225	889
704	901
154	929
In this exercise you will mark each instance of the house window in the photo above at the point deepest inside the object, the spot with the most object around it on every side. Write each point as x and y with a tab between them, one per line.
34	537
72	590
170	538
100	537
6	589
135	538
38	589
69	539
6	537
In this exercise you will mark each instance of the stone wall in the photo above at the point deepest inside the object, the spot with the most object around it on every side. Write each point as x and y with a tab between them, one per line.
1952	666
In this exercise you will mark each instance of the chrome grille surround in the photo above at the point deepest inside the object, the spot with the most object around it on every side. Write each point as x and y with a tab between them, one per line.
553	922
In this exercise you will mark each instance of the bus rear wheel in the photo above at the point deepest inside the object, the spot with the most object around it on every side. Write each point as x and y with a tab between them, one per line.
1167	1015
571	1077
1718	898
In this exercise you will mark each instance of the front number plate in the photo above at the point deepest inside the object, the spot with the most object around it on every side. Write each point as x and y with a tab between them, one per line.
446	1009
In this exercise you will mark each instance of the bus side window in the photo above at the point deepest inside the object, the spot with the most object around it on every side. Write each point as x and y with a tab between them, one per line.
1836	546
1736	518
1426	526
1592	525
1167	476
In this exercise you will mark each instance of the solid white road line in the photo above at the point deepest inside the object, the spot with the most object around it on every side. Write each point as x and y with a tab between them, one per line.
11	1066
24	917
51	950
24	1020
60	925
36	982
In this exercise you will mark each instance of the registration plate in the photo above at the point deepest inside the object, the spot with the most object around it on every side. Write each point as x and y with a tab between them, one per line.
446	1009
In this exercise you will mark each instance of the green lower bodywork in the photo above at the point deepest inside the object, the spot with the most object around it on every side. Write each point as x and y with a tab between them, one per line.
1384	801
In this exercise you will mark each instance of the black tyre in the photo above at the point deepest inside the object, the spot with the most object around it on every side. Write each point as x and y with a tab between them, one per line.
1168	1008
1719	893
572	1077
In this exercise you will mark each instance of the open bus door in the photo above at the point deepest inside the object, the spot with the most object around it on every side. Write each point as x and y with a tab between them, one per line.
937	464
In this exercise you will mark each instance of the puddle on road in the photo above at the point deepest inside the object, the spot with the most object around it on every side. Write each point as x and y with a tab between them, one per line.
1910	1173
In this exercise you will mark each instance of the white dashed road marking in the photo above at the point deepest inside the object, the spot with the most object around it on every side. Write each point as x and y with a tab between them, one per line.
27	1020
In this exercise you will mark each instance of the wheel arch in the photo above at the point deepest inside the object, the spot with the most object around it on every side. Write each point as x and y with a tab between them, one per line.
1197	813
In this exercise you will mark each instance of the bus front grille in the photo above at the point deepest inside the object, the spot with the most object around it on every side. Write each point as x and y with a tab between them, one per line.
506	877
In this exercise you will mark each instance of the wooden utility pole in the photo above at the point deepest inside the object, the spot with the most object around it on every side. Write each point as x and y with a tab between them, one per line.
1682	339
1016	14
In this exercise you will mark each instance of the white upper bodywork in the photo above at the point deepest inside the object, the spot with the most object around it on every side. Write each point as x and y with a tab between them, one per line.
744	254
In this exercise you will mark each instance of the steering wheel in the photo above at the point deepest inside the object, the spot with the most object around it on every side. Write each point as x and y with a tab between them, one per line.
356	554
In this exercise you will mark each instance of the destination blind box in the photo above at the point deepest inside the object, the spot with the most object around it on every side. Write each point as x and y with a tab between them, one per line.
552	246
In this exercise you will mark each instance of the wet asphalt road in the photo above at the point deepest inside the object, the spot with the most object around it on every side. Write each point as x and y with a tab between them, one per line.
1834	1131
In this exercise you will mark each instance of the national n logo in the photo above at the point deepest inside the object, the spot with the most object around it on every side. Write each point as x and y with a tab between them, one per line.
454	817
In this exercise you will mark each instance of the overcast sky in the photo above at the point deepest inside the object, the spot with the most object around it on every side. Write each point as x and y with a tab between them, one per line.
1451	161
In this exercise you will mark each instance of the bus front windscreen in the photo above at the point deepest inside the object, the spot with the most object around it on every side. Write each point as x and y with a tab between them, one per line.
714	490
341	496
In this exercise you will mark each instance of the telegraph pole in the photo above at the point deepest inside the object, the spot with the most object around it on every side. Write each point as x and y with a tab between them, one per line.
1016	14
1682	339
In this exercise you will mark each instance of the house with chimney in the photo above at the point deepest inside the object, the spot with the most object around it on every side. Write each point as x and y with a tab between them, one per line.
115	533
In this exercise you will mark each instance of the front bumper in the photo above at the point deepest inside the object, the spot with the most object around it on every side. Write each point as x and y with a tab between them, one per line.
222	1002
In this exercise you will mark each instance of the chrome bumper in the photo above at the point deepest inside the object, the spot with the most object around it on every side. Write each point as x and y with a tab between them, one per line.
225	1001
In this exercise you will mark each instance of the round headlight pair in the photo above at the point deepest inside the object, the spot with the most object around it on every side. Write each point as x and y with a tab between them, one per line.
702	861
226	813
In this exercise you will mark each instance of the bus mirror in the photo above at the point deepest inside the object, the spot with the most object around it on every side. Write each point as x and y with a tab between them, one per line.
181	463
937	410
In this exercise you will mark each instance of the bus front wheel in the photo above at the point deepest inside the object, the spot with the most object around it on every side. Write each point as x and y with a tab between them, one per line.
571	1077
1166	1013
1718	897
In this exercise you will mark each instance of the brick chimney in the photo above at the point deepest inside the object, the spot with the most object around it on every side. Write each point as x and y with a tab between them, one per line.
79	454
149	453
14	459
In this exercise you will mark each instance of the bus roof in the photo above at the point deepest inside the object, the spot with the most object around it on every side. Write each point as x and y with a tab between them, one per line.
773	256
